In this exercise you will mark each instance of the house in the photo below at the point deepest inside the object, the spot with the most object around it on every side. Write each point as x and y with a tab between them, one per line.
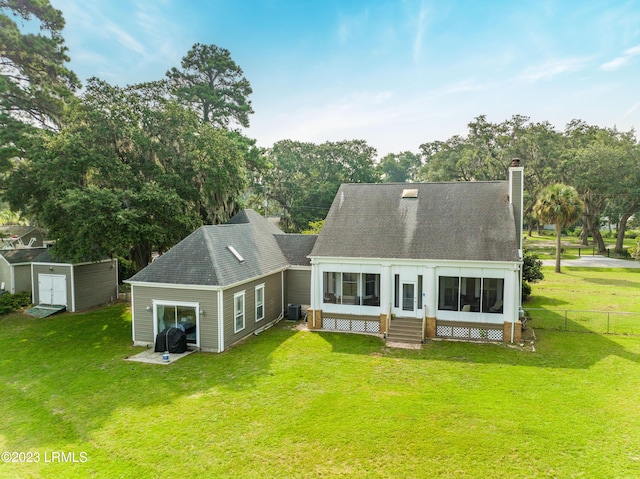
222	283
15	268
74	285
421	260
18	236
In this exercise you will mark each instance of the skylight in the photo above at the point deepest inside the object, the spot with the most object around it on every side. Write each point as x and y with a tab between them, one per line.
236	254
410	193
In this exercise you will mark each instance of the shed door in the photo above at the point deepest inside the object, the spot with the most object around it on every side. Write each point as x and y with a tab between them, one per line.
52	289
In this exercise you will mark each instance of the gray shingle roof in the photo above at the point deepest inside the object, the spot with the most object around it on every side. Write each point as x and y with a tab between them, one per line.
25	255
203	258
447	221
296	247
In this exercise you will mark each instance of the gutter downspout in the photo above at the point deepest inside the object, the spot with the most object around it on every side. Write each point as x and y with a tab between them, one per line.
220	321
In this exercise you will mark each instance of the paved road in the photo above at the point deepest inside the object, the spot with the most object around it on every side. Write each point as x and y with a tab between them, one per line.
594	262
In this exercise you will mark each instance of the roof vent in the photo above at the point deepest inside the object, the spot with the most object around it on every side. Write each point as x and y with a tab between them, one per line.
236	254
410	193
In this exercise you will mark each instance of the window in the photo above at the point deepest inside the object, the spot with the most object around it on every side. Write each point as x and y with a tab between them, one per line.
331	288
396	291
362	289
419	291
238	311
492	292
472	295
371	289
181	316
448	293
350	285
259	302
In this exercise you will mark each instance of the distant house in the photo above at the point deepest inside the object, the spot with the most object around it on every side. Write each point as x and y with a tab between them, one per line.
75	285
18	236
222	283
15	268
421	260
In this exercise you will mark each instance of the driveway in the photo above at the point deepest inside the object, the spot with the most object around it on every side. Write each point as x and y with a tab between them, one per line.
594	262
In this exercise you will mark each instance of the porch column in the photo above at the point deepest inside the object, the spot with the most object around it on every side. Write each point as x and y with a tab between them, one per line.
386	289
431	300
314	319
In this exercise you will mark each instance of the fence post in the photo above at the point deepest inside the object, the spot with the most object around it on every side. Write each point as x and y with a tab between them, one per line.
565	319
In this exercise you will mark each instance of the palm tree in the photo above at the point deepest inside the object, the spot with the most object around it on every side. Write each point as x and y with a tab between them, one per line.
559	204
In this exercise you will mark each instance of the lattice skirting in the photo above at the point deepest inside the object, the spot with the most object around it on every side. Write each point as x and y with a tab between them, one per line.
357	325
465	332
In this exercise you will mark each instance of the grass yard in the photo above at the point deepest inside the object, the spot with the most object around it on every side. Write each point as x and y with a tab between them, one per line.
298	404
610	291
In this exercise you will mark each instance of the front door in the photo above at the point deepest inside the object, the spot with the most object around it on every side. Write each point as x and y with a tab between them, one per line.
52	289
409	299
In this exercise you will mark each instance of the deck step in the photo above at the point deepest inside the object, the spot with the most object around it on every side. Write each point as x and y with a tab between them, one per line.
405	330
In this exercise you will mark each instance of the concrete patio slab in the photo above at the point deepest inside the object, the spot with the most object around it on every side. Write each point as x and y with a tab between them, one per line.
151	357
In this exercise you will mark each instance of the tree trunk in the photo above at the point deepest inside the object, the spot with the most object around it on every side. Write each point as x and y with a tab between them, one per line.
597	237
141	255
558	245
621	230
584	236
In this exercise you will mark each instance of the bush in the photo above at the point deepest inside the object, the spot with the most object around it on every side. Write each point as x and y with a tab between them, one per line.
526	291
12	302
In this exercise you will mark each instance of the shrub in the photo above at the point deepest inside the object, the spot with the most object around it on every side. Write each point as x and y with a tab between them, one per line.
526	291
12	302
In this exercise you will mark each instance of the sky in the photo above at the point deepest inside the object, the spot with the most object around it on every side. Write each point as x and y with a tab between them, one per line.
396	73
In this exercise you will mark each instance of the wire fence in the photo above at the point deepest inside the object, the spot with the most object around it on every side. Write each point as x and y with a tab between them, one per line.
584	321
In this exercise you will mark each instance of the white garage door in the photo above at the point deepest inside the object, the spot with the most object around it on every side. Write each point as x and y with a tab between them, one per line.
52	289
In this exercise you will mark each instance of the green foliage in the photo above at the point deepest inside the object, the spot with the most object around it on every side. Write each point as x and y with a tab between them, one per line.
558	204
635	250
305	177
211	83
399	168
130	172
532	267
34	82
315	227
13	302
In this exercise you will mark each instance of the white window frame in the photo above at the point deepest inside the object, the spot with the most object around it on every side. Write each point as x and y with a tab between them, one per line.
237	313
259	304
161	302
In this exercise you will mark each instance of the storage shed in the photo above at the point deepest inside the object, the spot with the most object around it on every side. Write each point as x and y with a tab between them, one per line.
15	268
76	286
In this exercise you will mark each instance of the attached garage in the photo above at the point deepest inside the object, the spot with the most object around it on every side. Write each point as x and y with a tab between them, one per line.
77	286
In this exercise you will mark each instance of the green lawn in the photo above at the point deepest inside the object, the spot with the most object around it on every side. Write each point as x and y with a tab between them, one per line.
545	246
569	300
299	404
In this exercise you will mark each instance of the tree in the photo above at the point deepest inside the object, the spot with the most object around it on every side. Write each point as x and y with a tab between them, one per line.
34	82
211	83
531	271
305	177
558	204
130	172
399	168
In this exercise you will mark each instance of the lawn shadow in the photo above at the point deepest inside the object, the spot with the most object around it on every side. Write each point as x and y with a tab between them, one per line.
621	283
65	376
574	349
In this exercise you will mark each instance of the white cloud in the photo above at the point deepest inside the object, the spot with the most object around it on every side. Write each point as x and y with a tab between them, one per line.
553	68
619	62
420	31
